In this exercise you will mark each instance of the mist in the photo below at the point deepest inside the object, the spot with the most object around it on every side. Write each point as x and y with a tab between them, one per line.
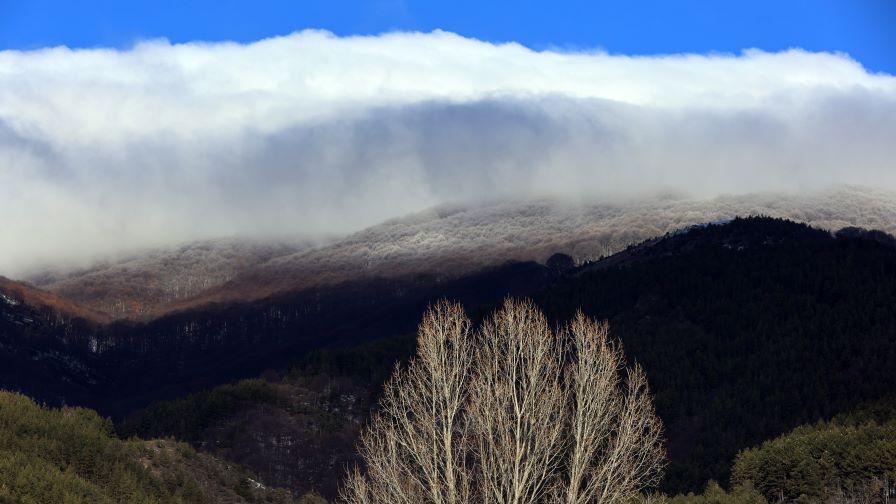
106	150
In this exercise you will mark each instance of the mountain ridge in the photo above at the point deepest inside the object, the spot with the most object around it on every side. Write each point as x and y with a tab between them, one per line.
451	241
444	242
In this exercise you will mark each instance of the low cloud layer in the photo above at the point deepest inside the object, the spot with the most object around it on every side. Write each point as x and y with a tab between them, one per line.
105	150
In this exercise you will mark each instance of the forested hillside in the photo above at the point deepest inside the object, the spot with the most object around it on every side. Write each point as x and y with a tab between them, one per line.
443	243
849	458
746	330
738	327
119	367
137	284
296	429
451	241
72	455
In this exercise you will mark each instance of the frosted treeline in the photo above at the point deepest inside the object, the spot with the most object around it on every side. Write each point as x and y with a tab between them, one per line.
452	240
138	283
444	242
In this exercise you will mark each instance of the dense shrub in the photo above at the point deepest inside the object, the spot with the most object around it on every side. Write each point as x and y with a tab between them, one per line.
71	455
852	457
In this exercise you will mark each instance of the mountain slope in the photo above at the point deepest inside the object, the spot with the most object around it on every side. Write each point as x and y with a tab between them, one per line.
39	333
443	243
746	329
449	242
13	293
71	455
851	458
296	432
118	367
136	285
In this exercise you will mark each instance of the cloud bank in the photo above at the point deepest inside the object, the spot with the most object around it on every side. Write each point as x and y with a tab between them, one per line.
104	150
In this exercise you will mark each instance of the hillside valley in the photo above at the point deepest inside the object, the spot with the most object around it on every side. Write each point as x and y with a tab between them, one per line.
738	326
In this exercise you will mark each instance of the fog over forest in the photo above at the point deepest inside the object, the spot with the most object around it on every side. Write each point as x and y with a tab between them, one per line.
311	135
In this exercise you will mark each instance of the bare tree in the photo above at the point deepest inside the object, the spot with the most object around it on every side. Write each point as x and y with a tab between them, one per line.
513	413
617	444
517	407
414	447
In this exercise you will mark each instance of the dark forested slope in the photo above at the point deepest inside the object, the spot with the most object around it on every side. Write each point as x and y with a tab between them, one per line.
746	330
119	367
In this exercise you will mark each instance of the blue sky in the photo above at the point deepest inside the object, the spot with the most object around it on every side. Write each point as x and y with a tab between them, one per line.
862	28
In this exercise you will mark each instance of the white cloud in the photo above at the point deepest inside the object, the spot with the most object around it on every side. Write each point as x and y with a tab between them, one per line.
106	149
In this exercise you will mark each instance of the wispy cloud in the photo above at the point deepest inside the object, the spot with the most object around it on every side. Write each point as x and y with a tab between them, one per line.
105	149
